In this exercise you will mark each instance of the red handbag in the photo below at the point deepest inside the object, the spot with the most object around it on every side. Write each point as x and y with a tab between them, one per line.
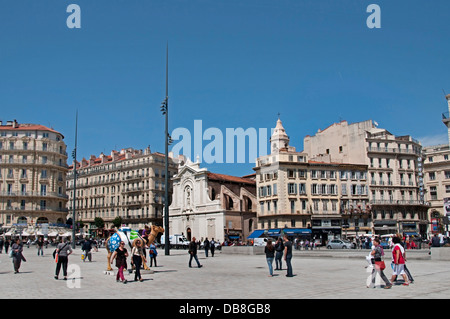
380	265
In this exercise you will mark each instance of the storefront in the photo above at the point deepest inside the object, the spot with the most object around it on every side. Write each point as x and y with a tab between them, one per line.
326	229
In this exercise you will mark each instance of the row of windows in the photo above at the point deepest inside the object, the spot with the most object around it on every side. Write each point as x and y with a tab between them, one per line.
316	189
23	174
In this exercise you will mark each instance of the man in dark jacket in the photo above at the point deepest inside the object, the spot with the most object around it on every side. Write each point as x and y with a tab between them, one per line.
193	253
87	246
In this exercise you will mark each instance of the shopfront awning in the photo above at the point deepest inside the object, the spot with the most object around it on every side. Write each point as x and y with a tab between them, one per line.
274	232
256	234
297	231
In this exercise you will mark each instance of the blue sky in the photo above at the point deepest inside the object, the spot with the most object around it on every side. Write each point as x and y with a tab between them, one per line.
231	64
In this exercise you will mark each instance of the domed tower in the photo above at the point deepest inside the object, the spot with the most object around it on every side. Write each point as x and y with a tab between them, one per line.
279	139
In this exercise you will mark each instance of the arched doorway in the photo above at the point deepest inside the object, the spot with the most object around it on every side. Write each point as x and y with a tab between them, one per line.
188	234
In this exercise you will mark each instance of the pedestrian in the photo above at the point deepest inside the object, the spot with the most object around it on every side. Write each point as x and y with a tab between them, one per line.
279	248
435	241
288	255
398	261
206	246
40	246
87	246
153	253
120	255
212	243
63	250
6	245
269	250
407	272
17	255
193	253
137	258
378	264
1	244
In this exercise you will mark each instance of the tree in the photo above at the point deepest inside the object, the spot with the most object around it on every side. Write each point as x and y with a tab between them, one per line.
99	222
117	222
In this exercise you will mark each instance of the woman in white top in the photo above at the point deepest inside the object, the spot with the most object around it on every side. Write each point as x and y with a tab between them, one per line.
137	258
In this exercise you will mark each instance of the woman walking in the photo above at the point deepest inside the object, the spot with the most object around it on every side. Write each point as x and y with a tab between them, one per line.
398	261
63	250
378	265
137	259
120	254
270	254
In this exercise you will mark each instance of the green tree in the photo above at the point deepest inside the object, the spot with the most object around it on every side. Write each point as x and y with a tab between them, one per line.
99	222
117	222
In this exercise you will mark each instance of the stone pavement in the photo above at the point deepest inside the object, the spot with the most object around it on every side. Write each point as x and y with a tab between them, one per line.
318	275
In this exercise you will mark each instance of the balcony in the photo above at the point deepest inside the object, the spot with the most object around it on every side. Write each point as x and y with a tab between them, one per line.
445	118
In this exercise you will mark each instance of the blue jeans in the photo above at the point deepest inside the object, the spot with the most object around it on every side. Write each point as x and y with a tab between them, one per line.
196	259
289	265
278	258
269	262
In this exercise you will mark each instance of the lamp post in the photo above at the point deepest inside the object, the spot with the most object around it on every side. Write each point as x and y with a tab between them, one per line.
165	111
74	156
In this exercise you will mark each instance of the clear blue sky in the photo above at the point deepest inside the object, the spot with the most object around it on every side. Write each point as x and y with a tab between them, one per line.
231	64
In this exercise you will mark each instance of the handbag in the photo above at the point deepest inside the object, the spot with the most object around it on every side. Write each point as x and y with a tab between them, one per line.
55	255
380	265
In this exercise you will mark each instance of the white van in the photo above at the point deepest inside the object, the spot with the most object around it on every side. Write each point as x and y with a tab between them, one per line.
176	241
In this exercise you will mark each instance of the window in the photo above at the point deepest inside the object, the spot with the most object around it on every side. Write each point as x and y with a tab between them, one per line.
433	193
447	174
432	176
291	173
302	189
292	206
292	188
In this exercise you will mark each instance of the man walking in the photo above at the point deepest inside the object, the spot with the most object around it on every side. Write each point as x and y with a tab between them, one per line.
288	255
87	246
193	253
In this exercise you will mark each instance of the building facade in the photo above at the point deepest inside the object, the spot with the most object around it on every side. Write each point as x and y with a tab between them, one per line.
210	205
316	196
33	167
128	184
393	164
436	177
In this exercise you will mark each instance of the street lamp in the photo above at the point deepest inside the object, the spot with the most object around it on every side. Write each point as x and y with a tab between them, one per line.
74	156
165	112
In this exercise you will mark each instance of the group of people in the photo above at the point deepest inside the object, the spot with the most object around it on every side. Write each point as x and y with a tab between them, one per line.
281	250
398	263
138	258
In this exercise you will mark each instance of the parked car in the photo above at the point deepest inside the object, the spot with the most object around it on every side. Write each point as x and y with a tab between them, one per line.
339	244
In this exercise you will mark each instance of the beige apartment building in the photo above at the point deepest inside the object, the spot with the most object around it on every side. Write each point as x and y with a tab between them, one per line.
393	162
319	197
129	184
33	167
436	177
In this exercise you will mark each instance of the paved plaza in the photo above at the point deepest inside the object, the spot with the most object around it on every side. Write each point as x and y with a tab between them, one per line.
318	274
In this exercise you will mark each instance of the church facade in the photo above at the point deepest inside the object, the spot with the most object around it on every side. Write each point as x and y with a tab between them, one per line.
210	205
